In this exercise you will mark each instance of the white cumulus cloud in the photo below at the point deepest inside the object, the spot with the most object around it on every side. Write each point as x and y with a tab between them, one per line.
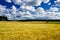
57	2
28	2
46	1
28	11
9	1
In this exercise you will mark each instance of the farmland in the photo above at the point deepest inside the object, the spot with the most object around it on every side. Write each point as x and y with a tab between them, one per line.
12	30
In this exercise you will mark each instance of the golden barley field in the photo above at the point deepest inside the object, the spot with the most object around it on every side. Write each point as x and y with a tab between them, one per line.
29	31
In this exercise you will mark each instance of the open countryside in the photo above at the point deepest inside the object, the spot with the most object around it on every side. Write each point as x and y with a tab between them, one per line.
12	30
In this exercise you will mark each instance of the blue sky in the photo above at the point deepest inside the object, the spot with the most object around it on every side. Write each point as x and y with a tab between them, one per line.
30	9
9	5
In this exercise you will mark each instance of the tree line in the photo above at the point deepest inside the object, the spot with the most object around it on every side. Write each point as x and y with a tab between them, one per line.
3	18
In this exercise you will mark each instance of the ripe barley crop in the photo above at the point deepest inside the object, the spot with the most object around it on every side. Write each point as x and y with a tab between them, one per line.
29	31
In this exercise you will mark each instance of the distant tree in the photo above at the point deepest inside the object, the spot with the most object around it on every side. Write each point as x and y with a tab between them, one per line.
46	21
3	18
